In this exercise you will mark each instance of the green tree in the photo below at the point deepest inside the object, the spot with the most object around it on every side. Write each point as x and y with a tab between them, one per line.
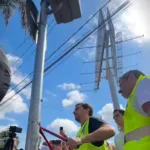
4	135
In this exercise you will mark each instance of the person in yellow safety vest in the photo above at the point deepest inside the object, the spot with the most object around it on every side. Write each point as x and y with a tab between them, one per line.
93	131
135	87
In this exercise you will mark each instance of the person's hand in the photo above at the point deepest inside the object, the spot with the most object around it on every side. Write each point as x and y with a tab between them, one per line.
64	146
62	133
74	142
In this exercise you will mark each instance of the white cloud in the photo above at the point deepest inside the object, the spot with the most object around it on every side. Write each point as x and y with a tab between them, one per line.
10	119
14	105
17	77
88	54
73	97
114	4
135	20
14	60
72	40
51	93
69	86
93	22
107	112
68	125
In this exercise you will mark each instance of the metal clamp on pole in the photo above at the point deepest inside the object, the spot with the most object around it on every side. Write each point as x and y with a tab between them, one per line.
65	10
54	10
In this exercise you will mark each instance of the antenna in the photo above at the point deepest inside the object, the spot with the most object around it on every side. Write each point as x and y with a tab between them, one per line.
101	37
119	55
109	53
109	73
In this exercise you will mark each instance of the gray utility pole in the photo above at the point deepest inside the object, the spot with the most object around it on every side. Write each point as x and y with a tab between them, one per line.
111	80
64	11
32	137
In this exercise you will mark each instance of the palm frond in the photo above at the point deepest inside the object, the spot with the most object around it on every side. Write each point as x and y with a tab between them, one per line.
32	17
7	13
22	8
28	11
8	6
5	3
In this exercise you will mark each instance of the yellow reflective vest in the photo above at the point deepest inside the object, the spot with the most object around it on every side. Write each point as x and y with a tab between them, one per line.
88	146
133	120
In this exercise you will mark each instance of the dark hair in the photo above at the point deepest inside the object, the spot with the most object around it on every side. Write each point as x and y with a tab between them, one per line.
136	74
86	106
121	111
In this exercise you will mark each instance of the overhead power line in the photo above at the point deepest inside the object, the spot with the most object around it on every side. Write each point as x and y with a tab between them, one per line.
32	52
62	43
21	56
45	70
18	47
124	6
77	31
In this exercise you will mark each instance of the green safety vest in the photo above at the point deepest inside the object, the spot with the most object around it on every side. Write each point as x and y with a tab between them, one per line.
88	146
133	120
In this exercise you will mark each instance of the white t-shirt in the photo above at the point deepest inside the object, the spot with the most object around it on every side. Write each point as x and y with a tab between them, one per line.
119	141
143	91
142	95
44	147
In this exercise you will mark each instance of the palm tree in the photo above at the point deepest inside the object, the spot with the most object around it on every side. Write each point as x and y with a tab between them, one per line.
28	11
8	6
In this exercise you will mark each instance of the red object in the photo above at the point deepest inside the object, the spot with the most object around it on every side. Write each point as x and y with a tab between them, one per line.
54	134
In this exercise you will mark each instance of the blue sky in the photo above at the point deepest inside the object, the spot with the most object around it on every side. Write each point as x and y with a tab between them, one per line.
54	114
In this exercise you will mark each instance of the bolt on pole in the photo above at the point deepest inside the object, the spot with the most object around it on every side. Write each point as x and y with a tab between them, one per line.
32	138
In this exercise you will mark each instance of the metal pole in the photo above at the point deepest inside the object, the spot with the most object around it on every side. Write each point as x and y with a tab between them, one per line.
111	81
32	138
113	90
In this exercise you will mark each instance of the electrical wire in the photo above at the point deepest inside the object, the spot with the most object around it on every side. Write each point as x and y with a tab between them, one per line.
25	62
68	38
77	31
18	47
28	47
78	43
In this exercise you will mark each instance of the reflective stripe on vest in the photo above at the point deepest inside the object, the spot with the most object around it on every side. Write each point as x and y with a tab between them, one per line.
132	119
88	146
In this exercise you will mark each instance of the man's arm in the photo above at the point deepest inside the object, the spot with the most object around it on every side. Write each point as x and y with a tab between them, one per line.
103	133
143	95
98	132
